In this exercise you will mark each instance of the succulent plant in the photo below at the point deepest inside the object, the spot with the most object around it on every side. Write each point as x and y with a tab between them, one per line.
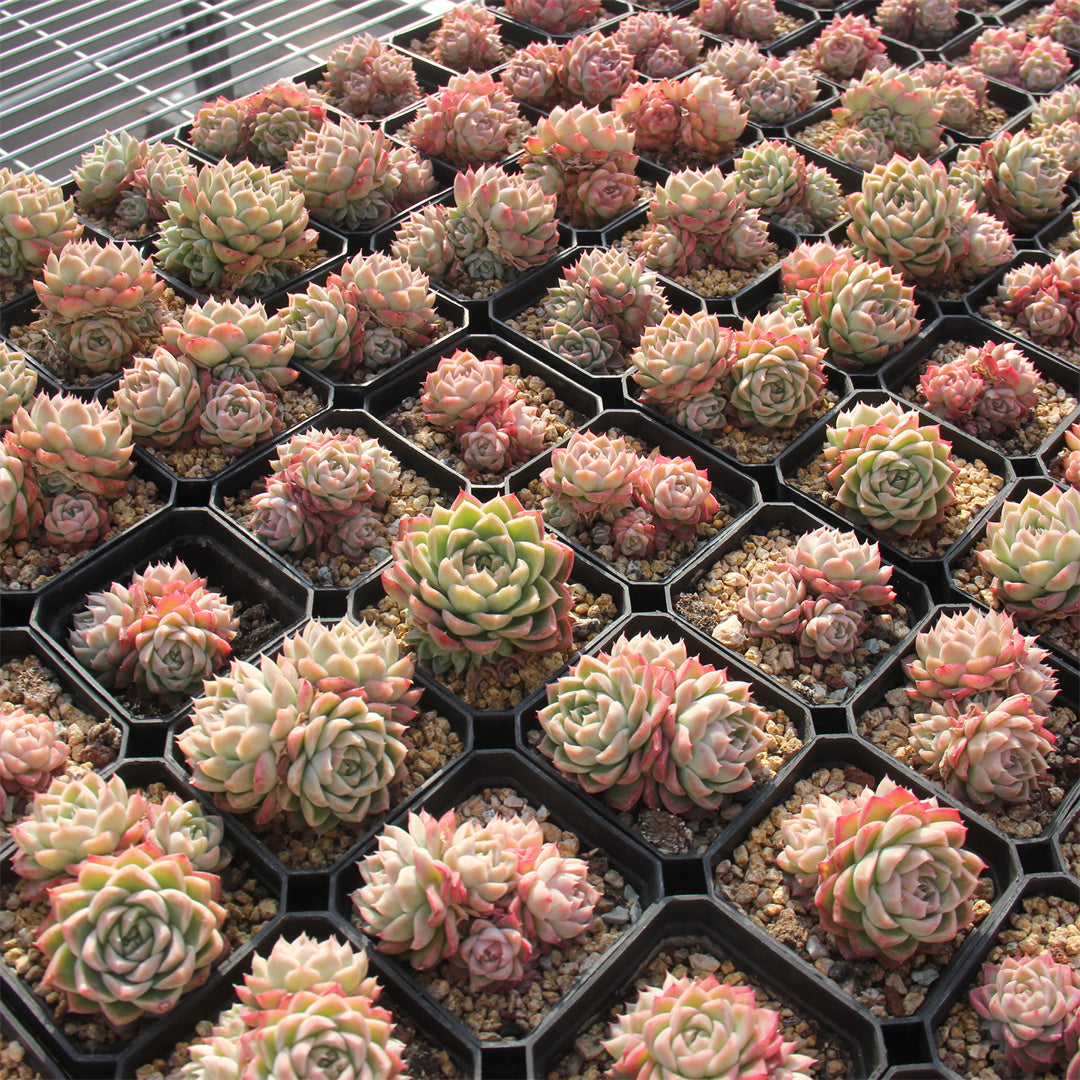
662	46
177	827
469	122
536	74
922	901
1030	1005
681	358
163	634
697	114
158	396
554	16
888	469
365	77
846	47
828	628
774	377
351	175
753	19
74	522
1042	64
778	90
480	581
108	170
908	216
18	383
595	68
35	221
495	953
463	388
595	474
862	311
1033	554
834	563
896	104
734	62
236	228
701	1025
235	415
467	38
1023	179
31	752
132	933
809	835
1061	21
988	752
1069	459
20	498
585	158
677	492
72	820
1044	300
919	22
326	329
72	445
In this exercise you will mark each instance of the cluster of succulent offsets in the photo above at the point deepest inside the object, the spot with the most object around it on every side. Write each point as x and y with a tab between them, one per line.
1033	555
135	920
751	20
236	228
602	489
819	593
861	309
987	389
1030	1004
837	852
36	220
585	158
498	225
1043	300
127	181
308	1005
327	493
100	303
468	39
316	732
920	22
783	186
915	216
1033	63
766	374
700	220
493	427
376	311
717	1027
217	380
262	126
555	16
471	121
490	899
589	69
63	461
774	90
18	383
369	79
354	177
644	723
847	47
1056	120
162	634
599	309
890	471
480	581
662	46
981	695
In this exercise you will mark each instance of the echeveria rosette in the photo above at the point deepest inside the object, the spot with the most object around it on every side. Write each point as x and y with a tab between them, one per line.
897	477
74	522
495	953
1033	554
595	474
677	492
557	899
897	879
554	16
159	396
132	933
701	1027
1031	1005
411	900
987	753
829	629
772	603
808	836
835	563
603	725
35	221
480	581
463	388
317	1034
184	828
31	752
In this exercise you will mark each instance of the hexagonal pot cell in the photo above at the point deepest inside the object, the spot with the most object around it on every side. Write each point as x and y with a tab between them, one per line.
707	595
429	1049
85	1044
791	19
886	711
1067	842
971	580
640	552
27	566
697	939
747	875
39	689
1041	919
747	746
1021	440
607	13
1056	460
977	484
264	599
429	741
498	784
418	40
495	440
331	560
597	601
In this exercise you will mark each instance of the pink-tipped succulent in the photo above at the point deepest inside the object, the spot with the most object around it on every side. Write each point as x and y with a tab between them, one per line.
846	47
554	16
834	563
1044	299
467	38
677	492
74	522
159	396
35	220
596	475
1069	459
367	78
462	388
918	22
31	752
755	20
18	383
662	46
1023	179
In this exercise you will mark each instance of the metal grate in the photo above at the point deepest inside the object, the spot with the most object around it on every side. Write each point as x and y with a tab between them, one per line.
71	71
